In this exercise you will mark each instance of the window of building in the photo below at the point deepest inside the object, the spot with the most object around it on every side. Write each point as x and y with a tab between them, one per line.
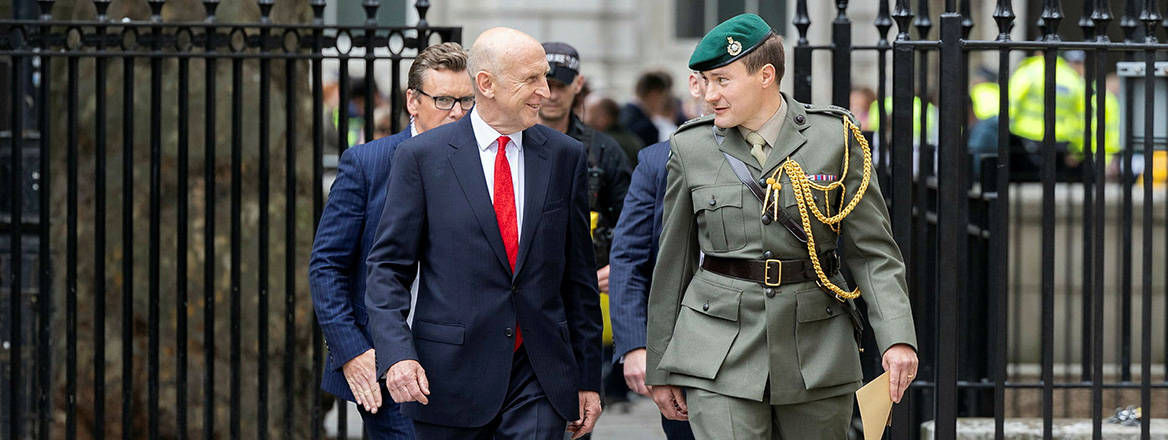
695	17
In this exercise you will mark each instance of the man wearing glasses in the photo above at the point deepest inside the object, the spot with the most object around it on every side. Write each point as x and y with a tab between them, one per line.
439	91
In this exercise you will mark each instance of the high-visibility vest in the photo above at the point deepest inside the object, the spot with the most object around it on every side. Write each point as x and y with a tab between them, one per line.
984	96
874	118
1027	86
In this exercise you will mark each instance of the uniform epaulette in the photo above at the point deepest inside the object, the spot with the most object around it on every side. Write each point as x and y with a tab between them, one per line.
832	110
701	120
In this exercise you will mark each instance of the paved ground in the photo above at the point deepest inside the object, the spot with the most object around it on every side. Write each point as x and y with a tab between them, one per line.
637	420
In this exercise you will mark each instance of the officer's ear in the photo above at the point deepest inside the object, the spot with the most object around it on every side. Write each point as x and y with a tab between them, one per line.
768	76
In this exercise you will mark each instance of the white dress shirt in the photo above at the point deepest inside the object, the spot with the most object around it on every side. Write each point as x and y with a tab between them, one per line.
486	137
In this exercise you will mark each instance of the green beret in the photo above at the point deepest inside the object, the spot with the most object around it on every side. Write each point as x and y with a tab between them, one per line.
729	41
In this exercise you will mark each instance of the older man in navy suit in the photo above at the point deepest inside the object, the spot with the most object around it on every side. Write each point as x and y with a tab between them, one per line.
493	210
439	92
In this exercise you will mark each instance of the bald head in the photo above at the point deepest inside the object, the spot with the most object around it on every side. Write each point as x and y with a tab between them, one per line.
508	69
496	46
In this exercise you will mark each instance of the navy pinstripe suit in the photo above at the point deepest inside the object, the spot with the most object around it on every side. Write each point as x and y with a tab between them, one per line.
634	252
336	271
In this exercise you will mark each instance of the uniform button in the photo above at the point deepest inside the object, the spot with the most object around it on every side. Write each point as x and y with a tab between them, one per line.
508	332
713	201
762	182
799	119
770	292
706	307
830	311
807	106
768	255
766	219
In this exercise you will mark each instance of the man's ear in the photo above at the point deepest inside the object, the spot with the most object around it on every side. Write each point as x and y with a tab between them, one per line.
412	98
485	83
768	76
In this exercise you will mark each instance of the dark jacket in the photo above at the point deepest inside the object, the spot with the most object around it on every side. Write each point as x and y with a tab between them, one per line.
637	121
634	250
336	270
439	218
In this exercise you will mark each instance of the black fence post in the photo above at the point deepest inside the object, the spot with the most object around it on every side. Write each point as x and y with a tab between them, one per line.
1000	235
841	55
952	221
802	53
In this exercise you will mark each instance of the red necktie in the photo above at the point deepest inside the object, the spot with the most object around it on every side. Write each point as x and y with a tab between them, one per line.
505	212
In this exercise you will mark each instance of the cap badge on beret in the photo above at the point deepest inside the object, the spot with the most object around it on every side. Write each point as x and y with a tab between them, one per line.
733	47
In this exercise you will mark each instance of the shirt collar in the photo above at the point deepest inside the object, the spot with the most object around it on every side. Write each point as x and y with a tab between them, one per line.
770	129
486	135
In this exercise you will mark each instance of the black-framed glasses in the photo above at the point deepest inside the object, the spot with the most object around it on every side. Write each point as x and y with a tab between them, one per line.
447	102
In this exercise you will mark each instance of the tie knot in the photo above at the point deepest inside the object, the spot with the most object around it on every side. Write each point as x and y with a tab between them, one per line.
503	140
755	139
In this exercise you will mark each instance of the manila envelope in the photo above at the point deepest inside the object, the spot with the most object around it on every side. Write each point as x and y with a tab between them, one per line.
875	407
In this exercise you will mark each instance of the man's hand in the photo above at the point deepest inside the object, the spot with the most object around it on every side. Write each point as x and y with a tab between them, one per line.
589	412
670	401
635	371
406	381
361	374
602	278
900	361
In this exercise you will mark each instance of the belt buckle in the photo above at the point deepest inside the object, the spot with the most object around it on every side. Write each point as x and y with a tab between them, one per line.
766	277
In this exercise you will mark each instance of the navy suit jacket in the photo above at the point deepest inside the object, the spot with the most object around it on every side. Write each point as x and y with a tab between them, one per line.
439	216
634	249
336	270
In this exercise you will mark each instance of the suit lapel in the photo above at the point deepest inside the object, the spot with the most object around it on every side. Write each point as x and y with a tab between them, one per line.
468	169
535	168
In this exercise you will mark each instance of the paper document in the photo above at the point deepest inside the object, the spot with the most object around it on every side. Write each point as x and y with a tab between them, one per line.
875	407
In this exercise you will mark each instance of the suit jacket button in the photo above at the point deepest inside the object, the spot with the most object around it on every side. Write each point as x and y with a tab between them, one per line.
770	292
706	307
515	290
508	332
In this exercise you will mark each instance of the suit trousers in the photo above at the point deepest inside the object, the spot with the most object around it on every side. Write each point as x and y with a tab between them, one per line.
716	416
389	423
526	414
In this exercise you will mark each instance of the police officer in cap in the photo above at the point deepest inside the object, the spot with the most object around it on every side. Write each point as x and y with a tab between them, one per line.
608	167
762	332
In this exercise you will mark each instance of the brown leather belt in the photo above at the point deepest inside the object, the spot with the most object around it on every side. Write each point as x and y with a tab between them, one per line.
772	272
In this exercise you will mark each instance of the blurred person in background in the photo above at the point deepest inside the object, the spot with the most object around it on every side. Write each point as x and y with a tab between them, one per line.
653	91
603	114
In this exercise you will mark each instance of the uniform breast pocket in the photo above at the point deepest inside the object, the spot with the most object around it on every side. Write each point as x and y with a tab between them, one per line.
718	209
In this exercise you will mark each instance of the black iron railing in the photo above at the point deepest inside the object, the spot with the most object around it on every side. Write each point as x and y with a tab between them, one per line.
274	75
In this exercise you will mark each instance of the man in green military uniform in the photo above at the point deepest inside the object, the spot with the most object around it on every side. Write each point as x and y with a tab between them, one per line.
759	334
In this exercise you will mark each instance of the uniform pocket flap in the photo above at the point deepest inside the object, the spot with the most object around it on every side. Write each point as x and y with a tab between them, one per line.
814	305
712	299
713	197
446	333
